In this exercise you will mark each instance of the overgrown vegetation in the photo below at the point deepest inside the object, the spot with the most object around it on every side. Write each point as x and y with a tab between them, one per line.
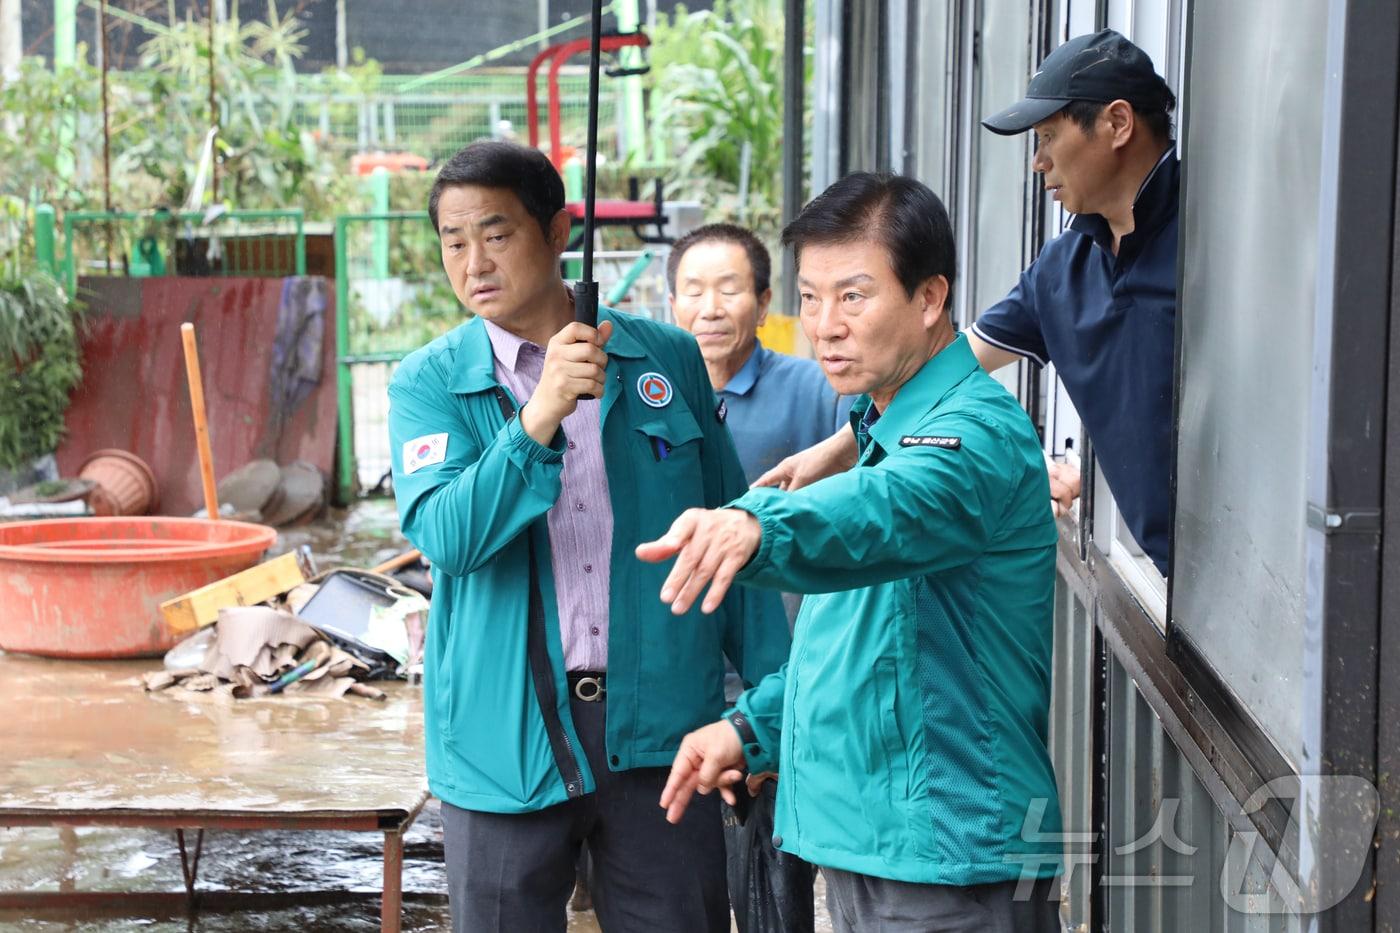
158	116
717	96
39	364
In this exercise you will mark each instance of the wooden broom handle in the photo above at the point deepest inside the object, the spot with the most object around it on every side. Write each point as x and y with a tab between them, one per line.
394	563
201	423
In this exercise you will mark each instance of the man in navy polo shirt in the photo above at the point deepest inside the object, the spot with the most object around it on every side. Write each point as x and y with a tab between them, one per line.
1100	300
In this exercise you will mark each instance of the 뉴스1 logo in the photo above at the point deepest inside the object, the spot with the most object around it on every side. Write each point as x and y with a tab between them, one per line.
655	390
947	443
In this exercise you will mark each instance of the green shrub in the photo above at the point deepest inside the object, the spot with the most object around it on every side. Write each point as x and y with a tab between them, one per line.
39	365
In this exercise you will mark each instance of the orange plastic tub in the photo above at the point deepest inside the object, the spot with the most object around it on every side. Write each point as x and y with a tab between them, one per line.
92	587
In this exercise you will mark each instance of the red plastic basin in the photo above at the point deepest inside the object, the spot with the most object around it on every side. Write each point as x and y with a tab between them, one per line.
92	587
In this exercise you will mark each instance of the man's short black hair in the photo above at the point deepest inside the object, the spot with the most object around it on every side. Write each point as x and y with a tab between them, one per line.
523	170
901	214
759	261
1157	120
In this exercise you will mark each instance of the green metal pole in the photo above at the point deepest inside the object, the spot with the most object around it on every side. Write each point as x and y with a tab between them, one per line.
70	265
43	238
629	278
344	386
65	33
65	55
573	191
301	243
379	196
573	180
635	139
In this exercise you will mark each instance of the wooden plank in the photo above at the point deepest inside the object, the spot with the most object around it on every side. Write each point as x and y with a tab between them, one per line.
200	607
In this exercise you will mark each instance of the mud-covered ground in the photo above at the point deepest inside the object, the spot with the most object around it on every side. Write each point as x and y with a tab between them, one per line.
308	871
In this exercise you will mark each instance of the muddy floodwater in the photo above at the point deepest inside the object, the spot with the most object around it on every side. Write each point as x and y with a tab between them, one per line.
320	880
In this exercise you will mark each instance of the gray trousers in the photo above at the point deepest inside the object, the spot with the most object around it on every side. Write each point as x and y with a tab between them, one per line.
514	872
864	904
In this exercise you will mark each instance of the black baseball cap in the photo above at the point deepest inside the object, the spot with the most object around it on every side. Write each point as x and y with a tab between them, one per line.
1101	67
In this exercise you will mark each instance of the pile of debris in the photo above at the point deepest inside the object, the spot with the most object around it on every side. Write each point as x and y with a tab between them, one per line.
280	628
255	651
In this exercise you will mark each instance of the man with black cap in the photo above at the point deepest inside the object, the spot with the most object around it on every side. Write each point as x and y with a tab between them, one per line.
1100	300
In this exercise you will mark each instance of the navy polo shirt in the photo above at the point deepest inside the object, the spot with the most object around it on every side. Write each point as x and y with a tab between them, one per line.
1108	323
777	405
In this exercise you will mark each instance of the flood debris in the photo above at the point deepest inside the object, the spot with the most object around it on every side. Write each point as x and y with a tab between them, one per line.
264	581
281	628
250	653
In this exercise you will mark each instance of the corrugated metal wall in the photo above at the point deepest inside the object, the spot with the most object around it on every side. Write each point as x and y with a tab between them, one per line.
1165	850
1167	841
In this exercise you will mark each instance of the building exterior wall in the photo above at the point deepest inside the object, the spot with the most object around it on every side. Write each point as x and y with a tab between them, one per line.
1169	724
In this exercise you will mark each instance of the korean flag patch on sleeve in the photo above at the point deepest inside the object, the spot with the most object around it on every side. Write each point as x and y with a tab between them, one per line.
424	451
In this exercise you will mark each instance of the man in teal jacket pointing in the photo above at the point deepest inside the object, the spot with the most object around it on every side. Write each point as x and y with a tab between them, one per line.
555	694
909	726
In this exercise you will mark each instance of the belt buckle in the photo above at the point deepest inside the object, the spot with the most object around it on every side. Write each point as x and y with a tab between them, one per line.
589	689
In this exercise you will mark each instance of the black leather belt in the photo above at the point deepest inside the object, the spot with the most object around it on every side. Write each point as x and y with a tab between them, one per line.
588	686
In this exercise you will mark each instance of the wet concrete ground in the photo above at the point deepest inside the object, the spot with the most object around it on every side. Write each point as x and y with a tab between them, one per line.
306	869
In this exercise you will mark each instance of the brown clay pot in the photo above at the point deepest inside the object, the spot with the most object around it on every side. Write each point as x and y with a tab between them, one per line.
125	484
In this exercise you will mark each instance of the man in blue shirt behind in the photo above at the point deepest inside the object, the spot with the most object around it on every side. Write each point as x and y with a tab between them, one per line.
776	404
1100	300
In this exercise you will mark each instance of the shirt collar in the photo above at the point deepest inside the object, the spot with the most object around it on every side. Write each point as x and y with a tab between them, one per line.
923	392
1154	204
742	381
506	346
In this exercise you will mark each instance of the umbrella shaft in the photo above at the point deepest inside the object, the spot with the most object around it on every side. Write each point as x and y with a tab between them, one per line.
590	184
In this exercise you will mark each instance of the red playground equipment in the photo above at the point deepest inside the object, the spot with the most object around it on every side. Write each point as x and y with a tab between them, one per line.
632	212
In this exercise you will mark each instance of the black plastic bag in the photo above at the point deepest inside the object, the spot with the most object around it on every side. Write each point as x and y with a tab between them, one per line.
770	890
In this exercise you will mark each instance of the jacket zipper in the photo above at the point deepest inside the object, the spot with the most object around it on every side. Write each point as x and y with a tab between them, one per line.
536	660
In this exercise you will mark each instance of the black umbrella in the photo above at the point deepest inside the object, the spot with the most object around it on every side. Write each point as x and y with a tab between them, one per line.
586	290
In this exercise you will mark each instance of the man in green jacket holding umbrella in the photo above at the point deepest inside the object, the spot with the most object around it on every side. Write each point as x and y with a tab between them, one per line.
909	725
531	452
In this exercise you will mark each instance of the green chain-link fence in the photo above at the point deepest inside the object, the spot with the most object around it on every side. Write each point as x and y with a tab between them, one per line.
393	297
436	120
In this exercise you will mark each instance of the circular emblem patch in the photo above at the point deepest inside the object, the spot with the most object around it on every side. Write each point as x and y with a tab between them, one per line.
424	450
654	389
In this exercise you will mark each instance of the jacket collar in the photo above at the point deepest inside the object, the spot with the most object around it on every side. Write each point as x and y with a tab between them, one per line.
747	375
475	366
1155	204
923	392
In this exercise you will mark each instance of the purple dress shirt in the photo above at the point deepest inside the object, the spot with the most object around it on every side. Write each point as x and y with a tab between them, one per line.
581	521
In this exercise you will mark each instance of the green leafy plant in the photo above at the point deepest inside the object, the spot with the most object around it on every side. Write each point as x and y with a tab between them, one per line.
40	127
717	96
39	364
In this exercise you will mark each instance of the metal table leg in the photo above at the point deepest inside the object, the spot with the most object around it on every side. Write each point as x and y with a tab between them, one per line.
191	871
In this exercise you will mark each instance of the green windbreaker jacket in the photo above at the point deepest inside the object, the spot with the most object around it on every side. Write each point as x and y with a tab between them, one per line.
499	736
909	727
